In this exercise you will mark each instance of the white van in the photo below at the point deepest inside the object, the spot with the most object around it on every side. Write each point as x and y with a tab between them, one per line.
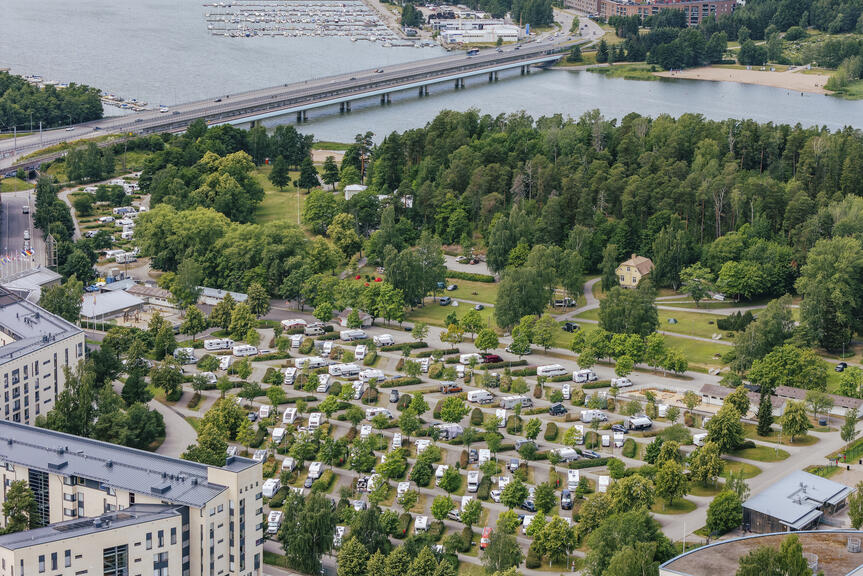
584	375
315	470
185	355
360	352
245	350
472	481
289	416
274	520
314	331
384	340
572	480
218	344
270	487
466	358
621	382
480	396
551	370
290	376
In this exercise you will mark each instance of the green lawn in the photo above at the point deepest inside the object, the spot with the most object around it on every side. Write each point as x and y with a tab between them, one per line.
485	292
751	431
277	204
325	145
698	352
434	314
628	71
13	185
680	506
823	471
761	454
697	489
692	323
749	470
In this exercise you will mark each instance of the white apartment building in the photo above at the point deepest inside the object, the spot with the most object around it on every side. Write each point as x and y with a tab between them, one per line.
35	345
219	530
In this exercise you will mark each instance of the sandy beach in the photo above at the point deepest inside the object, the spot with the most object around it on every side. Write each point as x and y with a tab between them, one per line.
790	80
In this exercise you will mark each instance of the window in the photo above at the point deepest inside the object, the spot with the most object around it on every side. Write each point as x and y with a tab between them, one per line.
41	563
173	535
149	540
67	558
115	561
161	538
53	560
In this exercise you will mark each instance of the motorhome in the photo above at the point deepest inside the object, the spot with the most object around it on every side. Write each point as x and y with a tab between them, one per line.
639	422
500	414
567	455
466	358
315	470
359	387
314	331
606	440
588	416
279	435
422	444
503	481
480	396
344	370
352	335
218	344
584	375
662	410
294	324
260	455
361	351
449	431
566	390
296	340
510	402
372	412
288	464
312	362
484	456
365	431
314	421
264	411
621	382
245	350
441	469
424	364
270	487
551	370
572	479
274	521
397	440
370	374
323	383
402	489
185	355
125	258
472	481
384	340
602	485
290	376
225	362
421	524
459	371
618	439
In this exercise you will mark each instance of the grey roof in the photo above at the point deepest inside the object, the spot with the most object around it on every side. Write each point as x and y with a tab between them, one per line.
800	394
136	514
33	278
796	499
118	285
146	291
171	479
219	294
31	326
108	304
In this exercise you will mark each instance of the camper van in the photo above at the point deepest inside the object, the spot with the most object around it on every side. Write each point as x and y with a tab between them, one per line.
344	370
584	375
551	370
288	464
352	335
567	455
480	396
370	374
314	421
314	331
315	470
372	412
466	358
384	340
245	350
500	414
185	355
359	387
289	416
572	479
290	376
639	422
274	520
511	402
270	487
361	351
472	481
421	524
323	383
588	416
218	344
264	411
279	435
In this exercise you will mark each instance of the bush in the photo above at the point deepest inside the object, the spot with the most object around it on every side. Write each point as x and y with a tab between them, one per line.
463	459
678	433
272	356
578	397
370	396
484	489
399	347
537	391
323	483
404	402
404	525
616	468
689	420
746	444
580	464
306	346
734	322
404	381
279	497
467	538
533	560
630	448
597	384
551	432
497	365
436	530
370	358
436	411
470	276
435	371
530	371
476	417
795	33
333	336
513	424
561	378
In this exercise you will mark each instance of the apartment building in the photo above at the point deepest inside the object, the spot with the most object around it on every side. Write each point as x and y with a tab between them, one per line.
694	10
35	345
220	526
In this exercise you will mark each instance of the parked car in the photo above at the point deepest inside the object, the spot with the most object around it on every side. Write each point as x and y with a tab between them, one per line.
528	505
491	359
619	428
570	327
509	349
452	287
445	301
557	409
566	500
394	396
309	481
495	495
473	455
841	366
513	465
590	454
479	307
252	416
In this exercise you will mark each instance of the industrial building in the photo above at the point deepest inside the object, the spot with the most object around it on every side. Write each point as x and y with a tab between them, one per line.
104	502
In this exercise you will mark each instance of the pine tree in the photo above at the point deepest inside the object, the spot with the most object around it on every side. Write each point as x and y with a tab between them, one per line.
331	172
308	175
279	175
765	415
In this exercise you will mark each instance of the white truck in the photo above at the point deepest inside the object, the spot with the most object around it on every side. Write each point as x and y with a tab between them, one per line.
270	487
218	344
480	396
274	520
551	370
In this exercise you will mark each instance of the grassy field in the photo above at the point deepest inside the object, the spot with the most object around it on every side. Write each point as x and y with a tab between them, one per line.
751	431
693	323
13	185
434	314
627	71
680	506
761	454
326	145
277	204
853	91
696	489
478	291
749	470
698	352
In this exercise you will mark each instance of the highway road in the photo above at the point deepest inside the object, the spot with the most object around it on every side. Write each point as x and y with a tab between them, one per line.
308	94
13	224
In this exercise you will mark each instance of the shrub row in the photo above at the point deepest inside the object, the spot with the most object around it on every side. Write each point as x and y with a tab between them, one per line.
529	371
399	347
323	483
551	432
629	448
497	365
597	384
370	358
471	276
271	356
585	463
405	381
561	378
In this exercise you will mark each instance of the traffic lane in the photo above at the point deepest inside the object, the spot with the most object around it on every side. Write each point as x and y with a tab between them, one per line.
15	222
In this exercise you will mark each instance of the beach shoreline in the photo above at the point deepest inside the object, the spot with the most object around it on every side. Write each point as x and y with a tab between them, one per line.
794	80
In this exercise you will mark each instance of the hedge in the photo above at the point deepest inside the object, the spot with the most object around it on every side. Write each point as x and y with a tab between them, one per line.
271	356
484	489
497	365
427	353
436	530
404	525
597	384
404	402
561	378
404	381
293	399
530	371
630	448
329	336
476	417
470	276
586	463
467	538
550	432
370	358
279	497
323	483
400	347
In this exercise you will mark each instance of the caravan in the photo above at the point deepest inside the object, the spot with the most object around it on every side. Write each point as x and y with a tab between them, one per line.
551	370
480	396
314	421
290	376
384	340
289	416
500	414
270	487
344	370
323	383
279	435
315	470
218	344
352	335
572	480
185	355
511	402
472	481
370	374
584	376
274	520
245	350
361	351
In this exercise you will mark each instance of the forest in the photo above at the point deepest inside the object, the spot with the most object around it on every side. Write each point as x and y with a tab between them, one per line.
22	103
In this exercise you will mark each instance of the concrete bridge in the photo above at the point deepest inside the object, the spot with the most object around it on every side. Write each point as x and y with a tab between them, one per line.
297	98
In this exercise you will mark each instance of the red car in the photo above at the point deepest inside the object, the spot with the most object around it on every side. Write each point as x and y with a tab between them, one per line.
486	537
491	359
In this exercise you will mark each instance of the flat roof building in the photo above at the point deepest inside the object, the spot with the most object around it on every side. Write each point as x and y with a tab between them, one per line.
100	307
35	345
213	296
72	478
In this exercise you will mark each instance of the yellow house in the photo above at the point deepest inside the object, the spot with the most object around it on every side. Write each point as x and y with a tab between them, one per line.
630	272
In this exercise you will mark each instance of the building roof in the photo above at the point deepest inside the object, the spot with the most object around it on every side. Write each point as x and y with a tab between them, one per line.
108	304
831	547
32	327
220	294
642	264
30	282
347	312
171	479
145	291
355	188
135	514
124	284
718	391
800	394
795	499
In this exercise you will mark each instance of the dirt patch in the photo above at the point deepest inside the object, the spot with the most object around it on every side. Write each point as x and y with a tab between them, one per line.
318	156
790	80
